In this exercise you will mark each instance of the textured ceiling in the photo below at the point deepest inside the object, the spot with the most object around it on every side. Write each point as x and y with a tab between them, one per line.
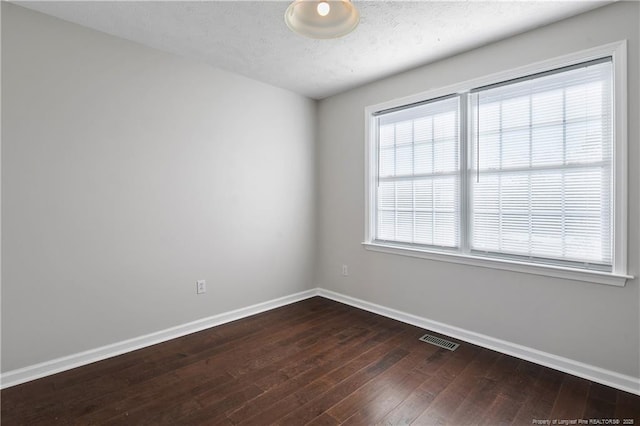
251	38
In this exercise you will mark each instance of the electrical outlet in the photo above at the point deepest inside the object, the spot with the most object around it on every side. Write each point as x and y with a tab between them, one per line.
201	286
345	271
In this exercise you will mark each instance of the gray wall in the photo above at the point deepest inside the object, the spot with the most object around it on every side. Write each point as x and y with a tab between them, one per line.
127	174
567	318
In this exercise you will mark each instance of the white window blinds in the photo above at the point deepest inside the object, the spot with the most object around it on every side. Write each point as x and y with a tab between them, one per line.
525	170
418	180
541	179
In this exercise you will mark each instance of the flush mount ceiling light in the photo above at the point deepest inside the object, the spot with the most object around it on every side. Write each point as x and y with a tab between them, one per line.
322	19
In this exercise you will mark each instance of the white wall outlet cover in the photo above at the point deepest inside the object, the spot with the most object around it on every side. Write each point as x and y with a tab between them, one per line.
345	270
201	286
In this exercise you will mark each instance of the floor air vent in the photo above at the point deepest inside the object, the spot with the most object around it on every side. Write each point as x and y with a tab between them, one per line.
439	342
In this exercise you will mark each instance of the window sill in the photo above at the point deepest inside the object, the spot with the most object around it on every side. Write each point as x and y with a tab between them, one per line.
506	265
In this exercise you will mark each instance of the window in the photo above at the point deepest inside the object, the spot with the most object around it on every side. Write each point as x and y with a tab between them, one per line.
543	167
523	172
418	174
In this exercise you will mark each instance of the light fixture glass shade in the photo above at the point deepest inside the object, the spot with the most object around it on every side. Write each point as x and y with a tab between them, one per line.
304	17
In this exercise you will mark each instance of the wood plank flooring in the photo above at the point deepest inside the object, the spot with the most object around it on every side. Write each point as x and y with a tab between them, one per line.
315	362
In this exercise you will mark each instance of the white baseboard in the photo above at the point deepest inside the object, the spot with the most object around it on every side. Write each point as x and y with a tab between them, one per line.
596	374
590	372
32	372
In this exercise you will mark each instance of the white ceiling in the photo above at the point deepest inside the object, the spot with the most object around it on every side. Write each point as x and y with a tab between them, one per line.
251	38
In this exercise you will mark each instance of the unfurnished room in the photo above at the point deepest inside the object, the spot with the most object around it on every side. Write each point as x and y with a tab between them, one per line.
320	212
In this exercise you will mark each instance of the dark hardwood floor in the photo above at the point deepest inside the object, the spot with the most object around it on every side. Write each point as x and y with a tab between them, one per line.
314	362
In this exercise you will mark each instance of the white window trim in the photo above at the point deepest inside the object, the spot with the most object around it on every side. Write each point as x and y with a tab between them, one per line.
618	276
